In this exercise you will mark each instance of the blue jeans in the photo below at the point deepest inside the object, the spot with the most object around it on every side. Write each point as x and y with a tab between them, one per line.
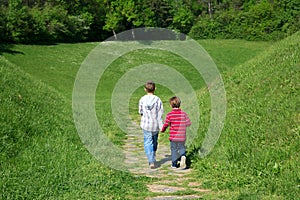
150	145
177	150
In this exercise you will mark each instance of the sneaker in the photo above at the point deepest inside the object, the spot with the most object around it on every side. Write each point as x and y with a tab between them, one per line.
182	162
173	167
152	166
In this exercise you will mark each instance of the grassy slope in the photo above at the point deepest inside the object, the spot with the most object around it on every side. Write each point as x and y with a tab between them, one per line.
229	53
42	156
73	173
257	155
55	65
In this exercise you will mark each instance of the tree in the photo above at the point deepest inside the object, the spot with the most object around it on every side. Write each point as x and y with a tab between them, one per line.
182	16
113	16
128	14
17	21
138	14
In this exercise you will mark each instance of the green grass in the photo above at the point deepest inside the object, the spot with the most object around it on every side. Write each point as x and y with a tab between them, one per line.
229	53
55	65
258	153
42	156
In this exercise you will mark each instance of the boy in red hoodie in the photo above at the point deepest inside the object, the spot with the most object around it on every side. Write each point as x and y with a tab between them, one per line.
178	120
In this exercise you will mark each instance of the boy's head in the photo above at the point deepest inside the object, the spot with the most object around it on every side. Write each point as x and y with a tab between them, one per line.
150	87
175	102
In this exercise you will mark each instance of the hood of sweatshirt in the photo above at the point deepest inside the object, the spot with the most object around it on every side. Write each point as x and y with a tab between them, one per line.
150	102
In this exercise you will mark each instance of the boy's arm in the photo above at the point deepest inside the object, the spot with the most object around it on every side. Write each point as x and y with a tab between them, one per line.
160	112
166	124
140	107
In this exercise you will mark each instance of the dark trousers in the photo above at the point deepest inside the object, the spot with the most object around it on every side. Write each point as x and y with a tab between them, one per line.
177	150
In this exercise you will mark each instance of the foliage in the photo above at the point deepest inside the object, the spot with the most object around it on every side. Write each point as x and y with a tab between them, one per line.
3	24
18	21
182	17
61	20
123	15
44	24
50	23
260	21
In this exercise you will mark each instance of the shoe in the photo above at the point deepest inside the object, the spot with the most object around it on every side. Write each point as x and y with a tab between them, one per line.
173	167
152	166
183	162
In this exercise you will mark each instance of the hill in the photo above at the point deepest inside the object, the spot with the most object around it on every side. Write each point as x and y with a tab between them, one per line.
42	156
257	155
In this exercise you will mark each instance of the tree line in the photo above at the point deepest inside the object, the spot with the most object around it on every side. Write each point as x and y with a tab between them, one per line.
38	21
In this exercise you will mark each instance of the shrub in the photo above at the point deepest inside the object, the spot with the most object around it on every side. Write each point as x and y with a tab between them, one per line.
3	22
43	24
263	21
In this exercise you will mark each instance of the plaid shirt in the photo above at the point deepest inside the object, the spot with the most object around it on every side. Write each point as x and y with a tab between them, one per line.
178	120
151	109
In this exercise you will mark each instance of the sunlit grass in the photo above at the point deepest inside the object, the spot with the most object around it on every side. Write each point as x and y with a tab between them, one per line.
42	156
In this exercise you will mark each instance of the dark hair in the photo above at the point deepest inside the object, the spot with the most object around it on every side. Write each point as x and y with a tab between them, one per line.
175	102
150	86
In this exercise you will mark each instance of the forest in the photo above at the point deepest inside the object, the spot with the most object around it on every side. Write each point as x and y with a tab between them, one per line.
47	21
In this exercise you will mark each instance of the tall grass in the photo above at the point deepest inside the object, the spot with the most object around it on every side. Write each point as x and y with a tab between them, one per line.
42	156
258	153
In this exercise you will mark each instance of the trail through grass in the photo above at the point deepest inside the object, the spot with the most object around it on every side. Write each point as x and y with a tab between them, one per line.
42	156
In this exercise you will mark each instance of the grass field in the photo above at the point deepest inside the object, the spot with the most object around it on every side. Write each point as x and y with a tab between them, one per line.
258	149
256	157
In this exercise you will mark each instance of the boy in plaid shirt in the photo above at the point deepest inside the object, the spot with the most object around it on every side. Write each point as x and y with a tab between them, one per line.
151	111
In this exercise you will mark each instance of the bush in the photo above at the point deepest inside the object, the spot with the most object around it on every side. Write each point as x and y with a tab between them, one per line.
18	22
3	22
263	21
78	26
46	24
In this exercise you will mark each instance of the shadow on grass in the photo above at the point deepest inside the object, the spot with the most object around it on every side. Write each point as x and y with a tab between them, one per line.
7	48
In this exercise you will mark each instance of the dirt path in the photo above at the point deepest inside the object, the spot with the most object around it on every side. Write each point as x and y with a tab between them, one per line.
170	183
